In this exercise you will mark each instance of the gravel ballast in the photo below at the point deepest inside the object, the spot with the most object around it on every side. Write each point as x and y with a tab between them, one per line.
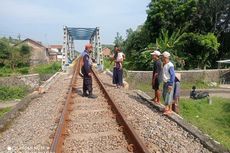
92	128
31	130
158	132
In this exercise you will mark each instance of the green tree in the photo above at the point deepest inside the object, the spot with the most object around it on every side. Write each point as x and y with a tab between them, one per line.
4	51
197	18
13	56
170	15
118	40
212	16
136	41
170	43
25	52
200	49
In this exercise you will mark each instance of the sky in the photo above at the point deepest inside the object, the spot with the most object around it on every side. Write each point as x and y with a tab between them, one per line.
43	20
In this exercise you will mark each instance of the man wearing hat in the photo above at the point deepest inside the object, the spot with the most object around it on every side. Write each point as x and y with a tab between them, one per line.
168	79
157	75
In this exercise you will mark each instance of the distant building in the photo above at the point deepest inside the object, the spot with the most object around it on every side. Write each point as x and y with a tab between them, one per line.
106	52
55	52
52	55
39	53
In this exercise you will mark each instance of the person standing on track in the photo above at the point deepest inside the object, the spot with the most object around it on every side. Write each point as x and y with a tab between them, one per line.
157	75
87	72
118	70
168	79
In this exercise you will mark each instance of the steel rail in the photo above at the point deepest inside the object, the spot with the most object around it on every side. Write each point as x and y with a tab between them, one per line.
61	132
135	143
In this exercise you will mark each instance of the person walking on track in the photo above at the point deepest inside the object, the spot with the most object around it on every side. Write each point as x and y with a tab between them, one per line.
157	75
87	72
168	79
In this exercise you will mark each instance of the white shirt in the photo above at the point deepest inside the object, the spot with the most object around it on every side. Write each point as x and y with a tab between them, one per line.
166	74
119	56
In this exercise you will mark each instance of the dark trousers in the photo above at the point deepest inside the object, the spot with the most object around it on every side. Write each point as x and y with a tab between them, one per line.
87	84
117	76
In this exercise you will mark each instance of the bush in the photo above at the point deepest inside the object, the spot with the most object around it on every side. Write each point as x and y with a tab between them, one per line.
24	70
47	68
5	72
108	64
12	92
200	49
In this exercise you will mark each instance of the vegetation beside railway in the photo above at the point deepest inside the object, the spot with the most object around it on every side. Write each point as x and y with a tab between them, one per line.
211	119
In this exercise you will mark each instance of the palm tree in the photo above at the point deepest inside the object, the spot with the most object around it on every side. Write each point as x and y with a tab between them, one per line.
169	43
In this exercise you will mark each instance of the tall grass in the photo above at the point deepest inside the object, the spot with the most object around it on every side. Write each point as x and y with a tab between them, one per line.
12	92
4	110
212	119
47	68
41	69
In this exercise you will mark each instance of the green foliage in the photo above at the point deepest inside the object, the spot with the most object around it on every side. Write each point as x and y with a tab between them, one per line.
202	21
4	72
211	119
4	110
108	64
200	49
170	43
47	68
4	51
136	41
13	56
118	40
170	15
12	92
24	50
199	85
23	70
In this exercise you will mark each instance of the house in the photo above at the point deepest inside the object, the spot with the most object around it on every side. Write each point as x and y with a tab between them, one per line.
106	52
39	53
52	55
55	52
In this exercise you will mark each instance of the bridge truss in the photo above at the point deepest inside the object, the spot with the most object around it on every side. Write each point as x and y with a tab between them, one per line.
70	34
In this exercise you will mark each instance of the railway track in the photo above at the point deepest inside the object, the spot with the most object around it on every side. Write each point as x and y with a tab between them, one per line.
93	125
118	121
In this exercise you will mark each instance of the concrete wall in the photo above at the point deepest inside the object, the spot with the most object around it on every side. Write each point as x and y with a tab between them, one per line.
32	80
186	76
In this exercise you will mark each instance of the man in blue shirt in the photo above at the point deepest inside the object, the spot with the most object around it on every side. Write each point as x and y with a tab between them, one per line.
168	79
86	71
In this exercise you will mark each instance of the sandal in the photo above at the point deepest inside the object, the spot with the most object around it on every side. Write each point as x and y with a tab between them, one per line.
153	99
167	112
